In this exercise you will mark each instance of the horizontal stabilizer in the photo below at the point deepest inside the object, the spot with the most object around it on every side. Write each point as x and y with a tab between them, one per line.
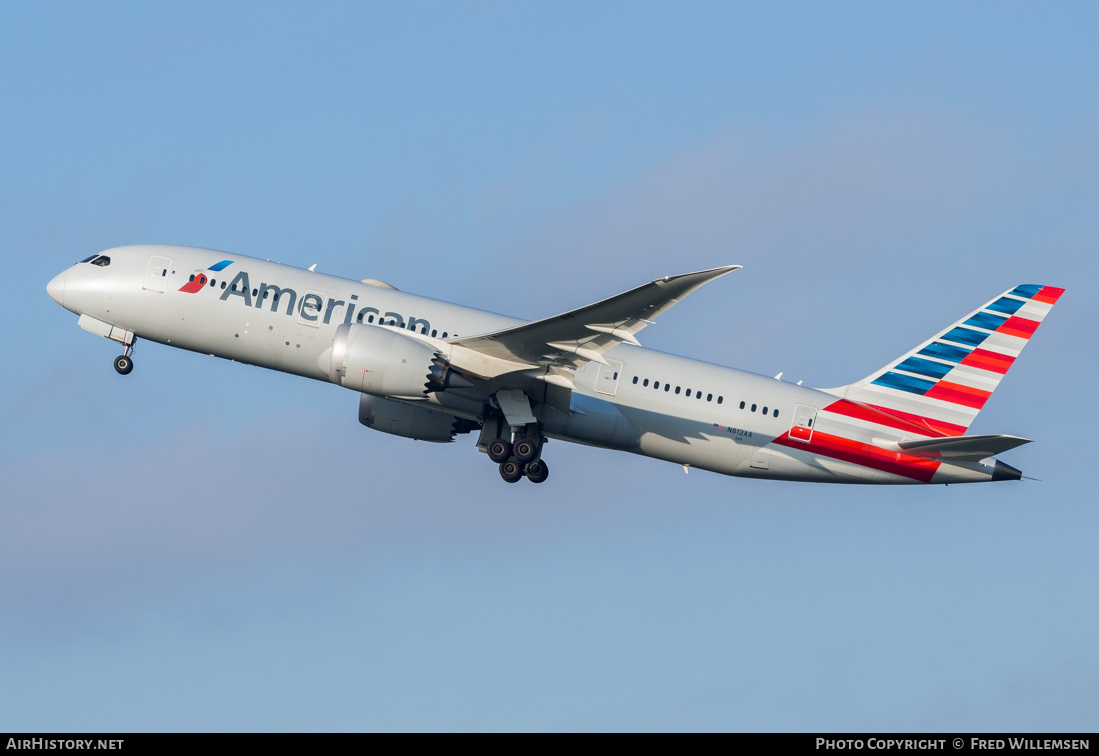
962	448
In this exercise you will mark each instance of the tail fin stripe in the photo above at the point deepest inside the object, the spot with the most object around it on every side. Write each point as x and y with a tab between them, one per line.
1005	343
1027	290
988	360
893	418
966	336
1007	305
967	375
1016	326
907	383
956	393
917	405
930	368
944	352
1048	295
986	320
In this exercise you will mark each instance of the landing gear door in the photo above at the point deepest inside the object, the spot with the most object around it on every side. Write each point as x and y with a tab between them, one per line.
804	418
157	274
607	382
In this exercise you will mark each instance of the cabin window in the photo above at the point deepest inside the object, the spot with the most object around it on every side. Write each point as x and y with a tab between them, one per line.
677	389
753	408
667	387
656	384
223	284
192	278
635	380
775	413
742	405
764	410
709	397
213	282
720	399
646	383
370	319
434	333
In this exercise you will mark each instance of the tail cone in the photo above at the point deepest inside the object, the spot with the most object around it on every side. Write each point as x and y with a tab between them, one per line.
1005	472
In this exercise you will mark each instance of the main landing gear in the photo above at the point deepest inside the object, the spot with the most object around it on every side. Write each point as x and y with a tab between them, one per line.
124	363
521	458
513	438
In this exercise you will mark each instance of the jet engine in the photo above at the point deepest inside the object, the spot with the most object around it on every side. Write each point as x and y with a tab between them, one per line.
383	362
411	422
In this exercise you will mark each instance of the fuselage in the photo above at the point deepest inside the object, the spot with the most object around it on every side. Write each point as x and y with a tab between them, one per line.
642	401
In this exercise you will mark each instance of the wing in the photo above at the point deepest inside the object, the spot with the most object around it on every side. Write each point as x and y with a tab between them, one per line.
583	335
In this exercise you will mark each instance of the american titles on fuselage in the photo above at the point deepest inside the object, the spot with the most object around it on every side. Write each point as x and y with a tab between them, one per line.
312	307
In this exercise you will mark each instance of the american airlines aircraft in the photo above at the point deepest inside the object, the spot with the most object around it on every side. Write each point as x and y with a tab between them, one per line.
431	370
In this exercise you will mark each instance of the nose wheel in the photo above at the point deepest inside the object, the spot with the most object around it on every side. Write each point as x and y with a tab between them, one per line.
124	363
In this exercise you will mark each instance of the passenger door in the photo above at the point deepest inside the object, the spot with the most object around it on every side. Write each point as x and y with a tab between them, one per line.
804	417
157	274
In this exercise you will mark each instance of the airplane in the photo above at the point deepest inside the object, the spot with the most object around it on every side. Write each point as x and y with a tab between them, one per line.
431	370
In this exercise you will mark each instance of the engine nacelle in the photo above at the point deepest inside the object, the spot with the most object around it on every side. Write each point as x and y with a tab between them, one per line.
379	361
411	422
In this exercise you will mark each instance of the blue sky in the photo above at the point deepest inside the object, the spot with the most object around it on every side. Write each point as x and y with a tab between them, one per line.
208	546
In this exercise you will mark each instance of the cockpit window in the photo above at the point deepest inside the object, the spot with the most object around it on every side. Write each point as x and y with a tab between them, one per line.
102	261
89	259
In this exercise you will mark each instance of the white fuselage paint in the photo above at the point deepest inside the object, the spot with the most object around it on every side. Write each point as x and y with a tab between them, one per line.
663	424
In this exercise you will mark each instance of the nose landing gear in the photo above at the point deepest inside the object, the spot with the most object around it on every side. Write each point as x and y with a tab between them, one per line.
124	363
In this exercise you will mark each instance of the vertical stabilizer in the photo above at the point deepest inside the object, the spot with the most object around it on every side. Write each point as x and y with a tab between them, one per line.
943	383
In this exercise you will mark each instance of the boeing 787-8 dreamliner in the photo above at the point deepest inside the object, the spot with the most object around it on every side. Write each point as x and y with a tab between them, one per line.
432	370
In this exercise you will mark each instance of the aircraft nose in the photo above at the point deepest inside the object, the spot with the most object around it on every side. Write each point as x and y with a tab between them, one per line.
56	288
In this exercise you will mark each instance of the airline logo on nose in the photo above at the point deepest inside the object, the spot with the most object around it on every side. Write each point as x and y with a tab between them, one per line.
200	279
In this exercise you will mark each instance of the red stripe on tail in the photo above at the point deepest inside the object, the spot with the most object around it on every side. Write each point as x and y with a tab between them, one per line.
988	360
893	418
1048	295
956	393
1016	326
